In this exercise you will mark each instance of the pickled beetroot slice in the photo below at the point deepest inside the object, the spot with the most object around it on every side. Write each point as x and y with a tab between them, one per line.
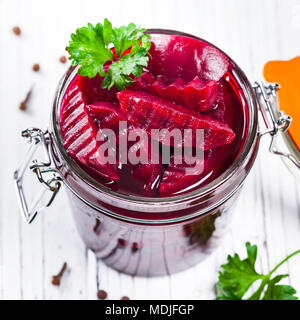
223	110
177	56
79	135
149	112
196	94
107	114
200	95
176	177
171	92
92	92
143	83
149	172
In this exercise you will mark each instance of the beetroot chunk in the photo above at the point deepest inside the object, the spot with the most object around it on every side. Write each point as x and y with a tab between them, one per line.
196	94
176	178
171	92
149	172
80	136
175	56
199	95
149	112
92	91
108	115
143	83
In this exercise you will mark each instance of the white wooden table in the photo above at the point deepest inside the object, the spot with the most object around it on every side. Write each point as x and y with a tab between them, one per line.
268	211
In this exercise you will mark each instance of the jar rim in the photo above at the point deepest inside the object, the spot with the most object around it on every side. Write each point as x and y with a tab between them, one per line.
199	192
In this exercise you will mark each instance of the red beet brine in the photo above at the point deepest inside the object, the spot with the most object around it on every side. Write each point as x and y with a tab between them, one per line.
188	84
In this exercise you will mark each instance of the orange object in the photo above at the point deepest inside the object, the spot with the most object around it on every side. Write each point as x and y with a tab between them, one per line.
287	74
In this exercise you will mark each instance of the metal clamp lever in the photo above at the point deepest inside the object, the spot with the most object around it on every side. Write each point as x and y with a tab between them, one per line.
51	183
275	121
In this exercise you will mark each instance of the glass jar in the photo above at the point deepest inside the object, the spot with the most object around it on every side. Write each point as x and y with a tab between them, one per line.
140	235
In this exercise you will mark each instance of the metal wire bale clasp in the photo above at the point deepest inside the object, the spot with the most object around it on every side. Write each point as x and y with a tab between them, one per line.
275	121
48	176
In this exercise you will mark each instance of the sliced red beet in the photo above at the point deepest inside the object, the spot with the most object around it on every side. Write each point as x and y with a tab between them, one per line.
222	110
79	135
143	83
171	92
199	95
92	91
176	56
108	114
180	177
218	112
196	94
149	112
149	172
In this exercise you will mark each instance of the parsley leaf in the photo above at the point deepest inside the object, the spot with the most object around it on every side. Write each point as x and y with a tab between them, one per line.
91	48
126	36
279	292
88	49
238	276
120	71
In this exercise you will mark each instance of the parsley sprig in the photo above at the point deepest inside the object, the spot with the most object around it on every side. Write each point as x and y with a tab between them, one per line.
238	276
117	54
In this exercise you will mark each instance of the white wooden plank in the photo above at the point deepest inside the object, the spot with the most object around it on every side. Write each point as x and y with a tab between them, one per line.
92	283
10	224
32	245
62	244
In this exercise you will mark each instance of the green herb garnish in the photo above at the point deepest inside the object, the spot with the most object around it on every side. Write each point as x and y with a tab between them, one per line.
239	275
91	47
